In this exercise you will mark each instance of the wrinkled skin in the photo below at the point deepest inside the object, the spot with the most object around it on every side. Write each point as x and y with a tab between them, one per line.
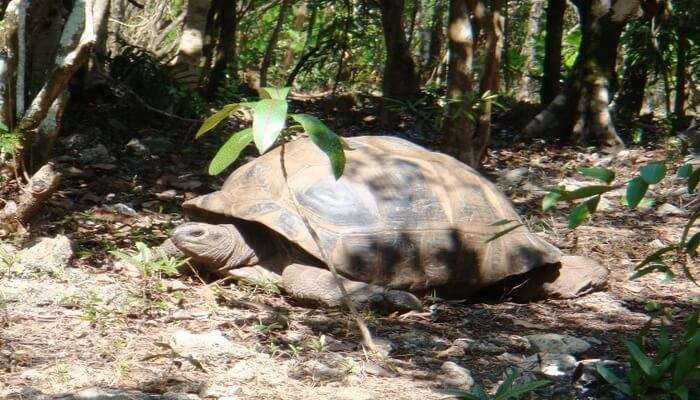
215	246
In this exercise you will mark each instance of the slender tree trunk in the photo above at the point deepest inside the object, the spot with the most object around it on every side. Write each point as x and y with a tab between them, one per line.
307	52
551	75
581	110
344	46
630	98
433	54
526	85
191	45
458	126
225	51
300	12
489	82
679	104
415	18
399	81
272	42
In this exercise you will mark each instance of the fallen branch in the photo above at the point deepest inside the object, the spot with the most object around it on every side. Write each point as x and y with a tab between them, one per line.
40	188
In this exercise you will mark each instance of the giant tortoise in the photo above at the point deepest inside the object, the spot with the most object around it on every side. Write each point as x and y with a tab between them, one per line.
400	219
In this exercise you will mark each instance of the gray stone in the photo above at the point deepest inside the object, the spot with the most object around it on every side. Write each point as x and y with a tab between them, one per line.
242	371
96	154
668	209
215	390
321	371
456	376
558	344
135	146
384	346
513	177
479	346
212	345
50	255
107	394
351	393
550	364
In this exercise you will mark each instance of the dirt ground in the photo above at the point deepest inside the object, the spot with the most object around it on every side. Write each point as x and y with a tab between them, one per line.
94	324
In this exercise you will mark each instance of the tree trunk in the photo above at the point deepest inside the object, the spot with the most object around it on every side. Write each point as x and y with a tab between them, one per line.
526	87
300	12
581	111
306	52
272	42
415	18
225	51
489	83
679	104
630	98
551	74
344	46
190	50
458	127
399	80
433	54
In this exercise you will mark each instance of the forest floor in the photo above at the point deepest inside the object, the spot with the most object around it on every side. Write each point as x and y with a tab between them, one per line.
97	324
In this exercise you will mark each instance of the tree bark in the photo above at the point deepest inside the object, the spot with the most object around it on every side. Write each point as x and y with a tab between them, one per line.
526	85
433	54
682	46
272	42
300	12
581	111
551	75
399	81
630	98
225	50
458	127
489	83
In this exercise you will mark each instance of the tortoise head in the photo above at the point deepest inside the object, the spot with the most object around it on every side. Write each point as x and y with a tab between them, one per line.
215	246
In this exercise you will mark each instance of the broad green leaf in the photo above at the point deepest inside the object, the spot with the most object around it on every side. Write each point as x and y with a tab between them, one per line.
685	170
592	204
578	215
505	386
550	200
692	246
693	180
655	256
599	173
613	379
639	357
653	173
686	229
269	116
503	232
587	191
229	152
636	189
654	267
274	93
519	390
325	139
681	392
686	363
211	122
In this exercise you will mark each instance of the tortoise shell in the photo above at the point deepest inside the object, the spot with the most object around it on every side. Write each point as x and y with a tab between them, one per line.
400	216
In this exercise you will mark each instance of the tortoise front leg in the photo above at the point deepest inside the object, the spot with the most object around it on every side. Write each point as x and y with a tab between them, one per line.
309	284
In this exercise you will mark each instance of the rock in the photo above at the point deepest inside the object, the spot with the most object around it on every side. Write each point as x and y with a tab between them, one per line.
668	209
550	364
590	372
136	147
558	344
76	141
121	208
573	277
209	390
384	346
351	393
187	185
456	376
604	302
169	194
513	177
208	346
242	371
50	255
107	394
96	154
479	347
321	371
374	369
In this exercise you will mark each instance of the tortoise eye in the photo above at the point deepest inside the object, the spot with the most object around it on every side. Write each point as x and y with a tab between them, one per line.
198	233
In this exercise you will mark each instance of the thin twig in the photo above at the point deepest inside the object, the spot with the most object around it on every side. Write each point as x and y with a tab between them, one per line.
364	331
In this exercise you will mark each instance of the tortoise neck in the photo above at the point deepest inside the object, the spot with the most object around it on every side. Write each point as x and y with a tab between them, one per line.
260	246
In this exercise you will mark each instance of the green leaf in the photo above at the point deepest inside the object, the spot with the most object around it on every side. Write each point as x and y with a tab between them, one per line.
599	173
578	215
325	139
269	116
503	232
550	200
639	357
229	152
519	390
685	170
653	173
655	256
693	180
613	379
592	204
587	191
4	127
211	122
636	189
681	392
274	93
692	246
503	222
505	386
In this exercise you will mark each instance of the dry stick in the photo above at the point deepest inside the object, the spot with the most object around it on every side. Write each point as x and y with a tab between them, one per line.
364	331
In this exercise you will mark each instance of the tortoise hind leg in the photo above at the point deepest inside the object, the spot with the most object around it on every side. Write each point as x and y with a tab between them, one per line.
574	276
316	285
